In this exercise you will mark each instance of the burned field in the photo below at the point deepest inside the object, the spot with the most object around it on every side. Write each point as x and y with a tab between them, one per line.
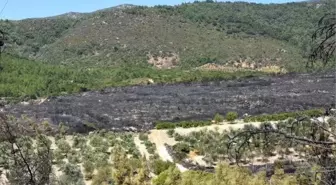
138	107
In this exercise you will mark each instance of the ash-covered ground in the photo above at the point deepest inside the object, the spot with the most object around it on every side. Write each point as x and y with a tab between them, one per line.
137	107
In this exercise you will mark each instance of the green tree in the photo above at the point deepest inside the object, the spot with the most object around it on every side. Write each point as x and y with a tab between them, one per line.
103	176
88	169
231	116
172	176
72	175
26	163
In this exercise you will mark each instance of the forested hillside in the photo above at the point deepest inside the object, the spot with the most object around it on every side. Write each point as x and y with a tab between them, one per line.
126	45
187	35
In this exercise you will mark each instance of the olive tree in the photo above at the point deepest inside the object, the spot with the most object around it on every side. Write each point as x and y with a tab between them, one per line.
27	151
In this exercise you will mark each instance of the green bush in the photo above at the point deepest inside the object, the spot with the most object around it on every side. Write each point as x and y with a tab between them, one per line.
63	146
218	118
165	125
150	147
181	150
158	166
74	157
171	132
79	142
103	176
72	175
284	115
96	141
88	169
143	137
183	124
178	137
231	116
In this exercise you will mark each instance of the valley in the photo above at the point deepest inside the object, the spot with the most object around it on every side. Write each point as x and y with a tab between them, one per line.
199	93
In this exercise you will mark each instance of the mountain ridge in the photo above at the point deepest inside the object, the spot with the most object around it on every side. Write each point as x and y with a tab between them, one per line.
208	32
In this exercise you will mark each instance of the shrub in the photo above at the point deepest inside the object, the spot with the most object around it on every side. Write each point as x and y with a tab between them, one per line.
150	147
181	150
284	115
165	125
79	141
71	175
231	116
58	156
171	132
158	166
218	118
314	112
88	169
143	137
104	176
178	137
74	158
63	146
183	124
96	141
101	159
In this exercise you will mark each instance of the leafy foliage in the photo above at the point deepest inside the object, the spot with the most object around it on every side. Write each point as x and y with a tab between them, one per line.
25	151
223	175
158	166
285	115
72	175
231	116
24	79
184	124
103	177
218	118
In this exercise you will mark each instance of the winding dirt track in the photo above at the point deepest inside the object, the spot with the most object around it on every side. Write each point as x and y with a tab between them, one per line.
138	107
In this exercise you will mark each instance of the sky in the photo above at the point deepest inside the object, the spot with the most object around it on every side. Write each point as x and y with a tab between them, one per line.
21	9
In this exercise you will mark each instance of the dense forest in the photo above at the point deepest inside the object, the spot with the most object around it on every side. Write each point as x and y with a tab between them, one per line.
22	79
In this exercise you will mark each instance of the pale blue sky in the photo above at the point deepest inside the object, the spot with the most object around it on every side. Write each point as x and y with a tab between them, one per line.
20	9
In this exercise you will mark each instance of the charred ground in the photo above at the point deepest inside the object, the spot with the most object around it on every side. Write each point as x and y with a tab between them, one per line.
138	107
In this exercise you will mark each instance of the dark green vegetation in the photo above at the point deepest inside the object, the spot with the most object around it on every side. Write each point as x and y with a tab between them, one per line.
224	175
112	47
198	33
25	79
150	147
183	124
231	116
285	115
218	118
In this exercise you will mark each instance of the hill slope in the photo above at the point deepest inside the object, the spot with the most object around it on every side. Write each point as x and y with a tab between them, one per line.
188	35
